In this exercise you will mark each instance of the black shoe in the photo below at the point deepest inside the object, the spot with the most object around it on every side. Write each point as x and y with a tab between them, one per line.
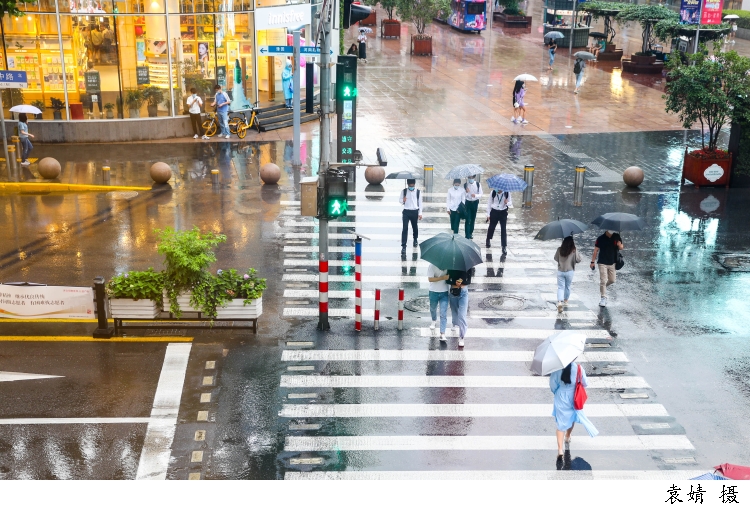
403	250
487	244
416	243
505	252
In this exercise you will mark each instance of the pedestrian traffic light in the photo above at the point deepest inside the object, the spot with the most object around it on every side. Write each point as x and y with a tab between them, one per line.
354	13
346	108
346	80
336	197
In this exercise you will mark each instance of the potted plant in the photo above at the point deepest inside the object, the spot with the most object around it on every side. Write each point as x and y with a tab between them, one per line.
57	105
134	100
109	107
187	256
136	294
153	96
512	16
39	104
711	91
647	16
231	295
372	19
390	27
419	12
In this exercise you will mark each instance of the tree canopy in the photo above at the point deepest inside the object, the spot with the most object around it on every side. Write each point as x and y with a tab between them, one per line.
13	7
419	12
647	16
666	30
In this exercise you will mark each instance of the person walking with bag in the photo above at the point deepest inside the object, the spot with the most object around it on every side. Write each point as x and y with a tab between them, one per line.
567	257
563	384
411	201
605	253
23	135
458	298
473	193
519	109
438	297
497	211
454	203
578	71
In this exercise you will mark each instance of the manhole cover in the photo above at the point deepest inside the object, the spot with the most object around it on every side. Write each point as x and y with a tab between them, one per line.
504	302
735	262
421	304
122	195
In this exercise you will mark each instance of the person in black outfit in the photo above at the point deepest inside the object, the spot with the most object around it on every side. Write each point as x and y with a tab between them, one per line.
497	211
606	248
411	201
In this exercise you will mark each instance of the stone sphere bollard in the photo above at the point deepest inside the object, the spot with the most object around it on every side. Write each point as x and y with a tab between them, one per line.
633	176
160	172
270	173
49	168
375	174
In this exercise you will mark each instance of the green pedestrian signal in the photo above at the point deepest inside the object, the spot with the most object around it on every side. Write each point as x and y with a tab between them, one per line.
336	207
350	92
336	196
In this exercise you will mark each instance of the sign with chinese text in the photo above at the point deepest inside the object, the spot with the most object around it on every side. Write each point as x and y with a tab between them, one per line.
13	80
291	16
46	302
711	14
141	74
690	11
93	82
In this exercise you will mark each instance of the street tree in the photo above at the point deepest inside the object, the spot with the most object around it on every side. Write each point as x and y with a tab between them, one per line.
606	11
14	7
669	29
419	12
647	16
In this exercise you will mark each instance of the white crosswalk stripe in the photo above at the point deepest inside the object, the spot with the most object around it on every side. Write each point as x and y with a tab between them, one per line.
426	355
461	410
477	280
486	474
419	264
448	381
583	443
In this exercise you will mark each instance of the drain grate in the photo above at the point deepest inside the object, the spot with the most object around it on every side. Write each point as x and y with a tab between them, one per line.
421	304
122	195
734	262
503	302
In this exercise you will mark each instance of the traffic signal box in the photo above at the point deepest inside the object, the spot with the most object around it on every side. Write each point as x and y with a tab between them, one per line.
346	108
337	194
354	13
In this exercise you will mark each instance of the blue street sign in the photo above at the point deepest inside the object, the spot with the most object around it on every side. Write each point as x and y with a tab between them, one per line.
311	50
13	80
288	50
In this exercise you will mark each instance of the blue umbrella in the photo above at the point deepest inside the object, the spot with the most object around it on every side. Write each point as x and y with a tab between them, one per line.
506	182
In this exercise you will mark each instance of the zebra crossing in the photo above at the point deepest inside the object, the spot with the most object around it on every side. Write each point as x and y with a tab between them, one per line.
401	405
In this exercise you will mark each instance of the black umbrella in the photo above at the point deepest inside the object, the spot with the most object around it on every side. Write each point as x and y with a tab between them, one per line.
597	35
451	251
619	222
560	229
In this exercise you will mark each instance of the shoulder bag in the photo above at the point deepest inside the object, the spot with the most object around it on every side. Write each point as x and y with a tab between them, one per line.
580	396
620	261
461	211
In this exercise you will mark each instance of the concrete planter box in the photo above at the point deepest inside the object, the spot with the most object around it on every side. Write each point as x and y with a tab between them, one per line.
183	300
235	309
134	308
646	64
421	46
707	172
369	21
512	21
390	28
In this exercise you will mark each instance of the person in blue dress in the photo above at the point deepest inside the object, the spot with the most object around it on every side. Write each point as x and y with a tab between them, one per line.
563	385
286	83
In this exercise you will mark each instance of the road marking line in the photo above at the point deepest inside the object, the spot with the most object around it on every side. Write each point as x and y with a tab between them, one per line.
679	460
210	365
419	264
208	380
633	395
443	226
48	187
157	445
526	281
304	426
72	421
194	476
306	461
412	443
390	250
205	398
303	395
48	320
200	435
301	368
300	344
519	333
650	426
448	381
494	475
22	376
197	456
27	338
202	416
433	355
386	237
462	410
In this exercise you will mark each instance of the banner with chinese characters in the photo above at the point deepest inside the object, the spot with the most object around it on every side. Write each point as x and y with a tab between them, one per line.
690	11
711	12
17	302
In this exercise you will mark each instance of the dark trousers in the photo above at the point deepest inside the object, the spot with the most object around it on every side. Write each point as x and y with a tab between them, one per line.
455	221
502	217
409	216
471	217
195	120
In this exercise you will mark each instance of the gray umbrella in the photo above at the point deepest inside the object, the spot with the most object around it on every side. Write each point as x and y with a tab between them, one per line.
584	55
463	171
403	174
553	35
560	229
619	222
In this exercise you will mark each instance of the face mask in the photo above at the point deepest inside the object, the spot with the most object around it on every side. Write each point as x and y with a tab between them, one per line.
411	188
471	181
455	186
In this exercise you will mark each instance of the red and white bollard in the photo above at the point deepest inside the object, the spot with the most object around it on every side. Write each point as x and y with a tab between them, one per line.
377	309
400	309
358	284
323	293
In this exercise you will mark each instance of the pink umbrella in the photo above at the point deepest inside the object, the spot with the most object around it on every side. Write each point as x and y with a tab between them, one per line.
733	471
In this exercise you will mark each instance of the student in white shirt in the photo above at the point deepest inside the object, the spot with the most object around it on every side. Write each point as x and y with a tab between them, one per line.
438	296
194	103
411	201
455	198
497	211
473	194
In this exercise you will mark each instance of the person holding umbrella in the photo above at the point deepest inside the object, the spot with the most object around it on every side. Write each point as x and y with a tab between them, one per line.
606	248
454	203
23	136
458	298
552	50
497	211
362	40
563	384
578	71
438	296
567	257
412	212
473	193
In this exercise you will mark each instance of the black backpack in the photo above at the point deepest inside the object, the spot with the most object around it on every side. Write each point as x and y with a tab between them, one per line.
494	194
404	194
577	67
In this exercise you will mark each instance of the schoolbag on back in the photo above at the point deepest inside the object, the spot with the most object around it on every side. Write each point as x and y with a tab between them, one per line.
404	195
577	68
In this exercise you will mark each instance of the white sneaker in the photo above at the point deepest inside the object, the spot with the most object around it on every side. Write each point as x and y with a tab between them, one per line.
25	162
206	137
442	338
524	121
512	119
460	342
227	136
603	302
195	137
432	326
559	307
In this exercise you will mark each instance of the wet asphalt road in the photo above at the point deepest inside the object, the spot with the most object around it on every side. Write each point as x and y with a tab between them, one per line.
676	315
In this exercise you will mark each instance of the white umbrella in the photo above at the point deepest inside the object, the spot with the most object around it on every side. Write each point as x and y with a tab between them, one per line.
557	351
525	77
26	108
731	16
366	30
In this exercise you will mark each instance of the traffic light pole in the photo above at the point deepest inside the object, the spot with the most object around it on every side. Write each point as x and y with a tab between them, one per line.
325	157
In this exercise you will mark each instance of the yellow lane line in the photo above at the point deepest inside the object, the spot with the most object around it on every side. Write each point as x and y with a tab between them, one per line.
36	187
31	321
26	338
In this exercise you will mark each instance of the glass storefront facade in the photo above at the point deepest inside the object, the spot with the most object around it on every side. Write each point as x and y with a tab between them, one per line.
139	58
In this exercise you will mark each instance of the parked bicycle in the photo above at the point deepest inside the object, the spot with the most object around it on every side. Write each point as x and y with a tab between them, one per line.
210	124
239	123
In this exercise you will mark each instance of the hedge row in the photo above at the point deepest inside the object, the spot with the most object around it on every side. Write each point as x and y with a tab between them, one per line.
744	21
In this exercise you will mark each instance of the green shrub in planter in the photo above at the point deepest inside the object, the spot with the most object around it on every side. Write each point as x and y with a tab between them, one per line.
137	285
212	292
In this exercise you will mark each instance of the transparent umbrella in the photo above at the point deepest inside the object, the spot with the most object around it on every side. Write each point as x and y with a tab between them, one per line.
557	351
